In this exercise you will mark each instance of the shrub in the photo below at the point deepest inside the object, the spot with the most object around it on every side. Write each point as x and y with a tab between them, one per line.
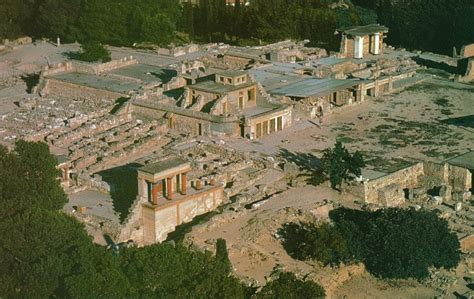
287	286
92	52
323	243
405	243
392	243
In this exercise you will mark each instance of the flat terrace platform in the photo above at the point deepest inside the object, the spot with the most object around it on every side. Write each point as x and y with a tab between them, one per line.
145	73
97	82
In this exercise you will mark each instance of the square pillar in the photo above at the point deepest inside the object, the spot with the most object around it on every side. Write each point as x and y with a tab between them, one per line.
183	183
169	188
154	193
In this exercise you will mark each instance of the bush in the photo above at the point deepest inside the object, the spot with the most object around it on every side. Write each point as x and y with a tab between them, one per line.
287	286
392	243
308	241
92	52
405	243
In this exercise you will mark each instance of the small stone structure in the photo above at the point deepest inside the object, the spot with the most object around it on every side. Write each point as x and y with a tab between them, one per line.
388	190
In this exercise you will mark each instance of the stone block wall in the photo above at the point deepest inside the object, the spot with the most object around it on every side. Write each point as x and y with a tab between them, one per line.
405	178
467	51
68	90
159	221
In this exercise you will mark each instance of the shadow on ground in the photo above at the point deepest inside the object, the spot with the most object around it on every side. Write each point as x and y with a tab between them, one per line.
123	187
31	81
463	121
309	164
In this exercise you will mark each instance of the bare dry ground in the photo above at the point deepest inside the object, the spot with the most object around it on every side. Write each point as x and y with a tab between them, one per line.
431	121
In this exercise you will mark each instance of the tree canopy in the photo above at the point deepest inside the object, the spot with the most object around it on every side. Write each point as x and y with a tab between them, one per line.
392	243
430	25
46	253
340	165
288	286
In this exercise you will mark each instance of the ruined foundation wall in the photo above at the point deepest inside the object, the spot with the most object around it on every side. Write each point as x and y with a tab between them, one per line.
158	222
405	178
458	177
467	51
68	90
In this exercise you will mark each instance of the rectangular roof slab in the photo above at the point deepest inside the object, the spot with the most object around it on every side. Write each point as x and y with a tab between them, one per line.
230	73
97	82
159	167
465	160
146	73
362	30
314	87
213	87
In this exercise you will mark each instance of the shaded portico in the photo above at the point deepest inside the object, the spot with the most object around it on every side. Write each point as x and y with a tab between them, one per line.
163	180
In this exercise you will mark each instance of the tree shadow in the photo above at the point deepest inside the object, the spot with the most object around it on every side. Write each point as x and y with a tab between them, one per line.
466	121
123	187
31	81
309	164
438	65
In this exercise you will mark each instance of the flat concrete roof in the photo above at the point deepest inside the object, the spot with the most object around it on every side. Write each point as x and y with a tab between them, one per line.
362	30
271	80
230	73
146	73
213	87
465	160
98	82
161	166
329	61
314	87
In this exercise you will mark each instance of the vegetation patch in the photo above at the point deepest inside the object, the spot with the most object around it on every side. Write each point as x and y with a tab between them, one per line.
392	243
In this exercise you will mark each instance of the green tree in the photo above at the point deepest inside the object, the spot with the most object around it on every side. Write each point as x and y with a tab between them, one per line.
340	165
404	243
29	179
323	243
157	29
287	286
57	18
46	253
92	52
175	271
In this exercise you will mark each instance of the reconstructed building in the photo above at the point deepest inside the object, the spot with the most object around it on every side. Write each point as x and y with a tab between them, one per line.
227	103
360	41
166	199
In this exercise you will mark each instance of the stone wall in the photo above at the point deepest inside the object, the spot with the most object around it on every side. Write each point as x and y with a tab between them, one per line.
467	51
387	190
159	221
369	190
469	73
68	90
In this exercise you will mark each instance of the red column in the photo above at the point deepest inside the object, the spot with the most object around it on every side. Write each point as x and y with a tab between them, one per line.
169	188
154	193
183	183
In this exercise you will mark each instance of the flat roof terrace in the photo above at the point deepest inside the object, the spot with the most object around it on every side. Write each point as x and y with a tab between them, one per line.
146	73
314	87
97	82
213	87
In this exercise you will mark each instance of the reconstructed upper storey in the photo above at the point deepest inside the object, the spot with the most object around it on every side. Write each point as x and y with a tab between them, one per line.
360	41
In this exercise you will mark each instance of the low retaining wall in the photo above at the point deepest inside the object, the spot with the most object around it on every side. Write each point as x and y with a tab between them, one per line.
386	190
161	220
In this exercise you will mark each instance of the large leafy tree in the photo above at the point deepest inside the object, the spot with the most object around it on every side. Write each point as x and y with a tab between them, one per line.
323	243
167	271
405	243
288	286
29	179
340	165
